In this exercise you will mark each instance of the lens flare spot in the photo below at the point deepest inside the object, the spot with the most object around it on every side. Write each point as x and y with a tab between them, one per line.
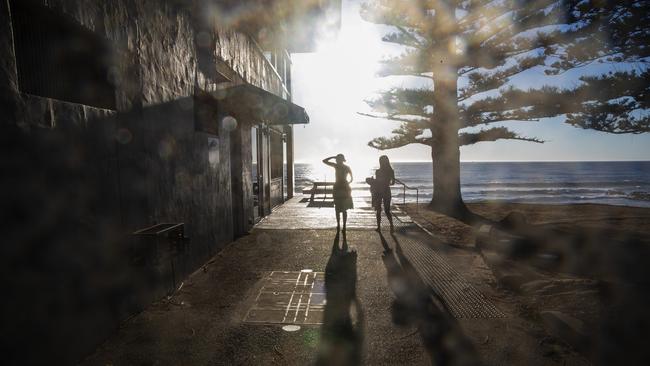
166	148
123	136
229	123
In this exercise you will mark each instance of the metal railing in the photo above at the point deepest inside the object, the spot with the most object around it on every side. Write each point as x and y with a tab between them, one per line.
404	188
275	72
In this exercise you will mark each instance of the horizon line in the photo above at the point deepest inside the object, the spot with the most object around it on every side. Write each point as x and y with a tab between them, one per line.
516	161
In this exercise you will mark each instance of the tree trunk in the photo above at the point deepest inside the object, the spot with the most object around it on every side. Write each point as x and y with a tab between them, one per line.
446	176
445	152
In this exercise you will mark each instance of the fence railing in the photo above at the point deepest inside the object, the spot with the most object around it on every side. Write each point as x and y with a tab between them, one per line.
404	188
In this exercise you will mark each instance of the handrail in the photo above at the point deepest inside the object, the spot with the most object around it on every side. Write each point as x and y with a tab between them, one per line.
405	187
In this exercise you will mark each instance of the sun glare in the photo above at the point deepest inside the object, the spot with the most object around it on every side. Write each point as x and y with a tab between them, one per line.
361	169
345	68
333	84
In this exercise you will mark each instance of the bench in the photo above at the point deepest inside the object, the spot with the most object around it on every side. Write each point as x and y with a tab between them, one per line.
323	188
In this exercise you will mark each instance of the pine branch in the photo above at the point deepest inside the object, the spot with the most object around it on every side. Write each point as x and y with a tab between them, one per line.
396	13
393	118
504	39
404	101
384	143
481	81
500	118
404	37
492	134
601	119
406	134
614	103
523	19
412	62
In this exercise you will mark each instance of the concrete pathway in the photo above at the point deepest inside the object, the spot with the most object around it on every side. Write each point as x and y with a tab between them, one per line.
379	307
299	213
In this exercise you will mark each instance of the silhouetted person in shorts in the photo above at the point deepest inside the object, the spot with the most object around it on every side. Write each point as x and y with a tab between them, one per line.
384	178
342	191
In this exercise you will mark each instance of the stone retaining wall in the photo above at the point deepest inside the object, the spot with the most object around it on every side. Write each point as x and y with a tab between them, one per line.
78	180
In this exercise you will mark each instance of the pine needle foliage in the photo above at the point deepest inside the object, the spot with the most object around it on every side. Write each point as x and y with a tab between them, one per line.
475	53
488	43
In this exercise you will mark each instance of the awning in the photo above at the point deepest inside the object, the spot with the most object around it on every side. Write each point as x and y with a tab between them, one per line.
250	103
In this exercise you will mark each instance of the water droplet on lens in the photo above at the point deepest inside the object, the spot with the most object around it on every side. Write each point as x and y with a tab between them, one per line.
229	123
291	328
123	136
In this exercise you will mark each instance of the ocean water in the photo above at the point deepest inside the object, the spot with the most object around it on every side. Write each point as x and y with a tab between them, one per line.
613	183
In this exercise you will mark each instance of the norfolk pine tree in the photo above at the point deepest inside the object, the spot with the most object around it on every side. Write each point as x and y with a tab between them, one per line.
489	42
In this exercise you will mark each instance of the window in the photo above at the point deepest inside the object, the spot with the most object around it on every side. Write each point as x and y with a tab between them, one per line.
58	58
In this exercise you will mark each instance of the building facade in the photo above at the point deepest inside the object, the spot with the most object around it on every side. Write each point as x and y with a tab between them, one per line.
120	115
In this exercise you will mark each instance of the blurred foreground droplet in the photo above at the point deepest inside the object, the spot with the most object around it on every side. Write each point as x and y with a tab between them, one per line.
291	328
280	111
229	123
203	39
123	136
263	34
186	103
263	239
166	148
114	76
219	94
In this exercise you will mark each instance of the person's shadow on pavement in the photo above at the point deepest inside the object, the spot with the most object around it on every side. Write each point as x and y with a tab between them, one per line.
341	332
419	305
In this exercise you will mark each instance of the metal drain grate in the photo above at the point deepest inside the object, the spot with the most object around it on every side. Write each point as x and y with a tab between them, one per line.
463	299
289	298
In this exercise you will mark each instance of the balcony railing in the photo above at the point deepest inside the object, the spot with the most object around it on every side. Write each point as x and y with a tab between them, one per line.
280	64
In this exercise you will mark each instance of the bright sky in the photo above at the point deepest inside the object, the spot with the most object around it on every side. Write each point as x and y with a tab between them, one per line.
333	82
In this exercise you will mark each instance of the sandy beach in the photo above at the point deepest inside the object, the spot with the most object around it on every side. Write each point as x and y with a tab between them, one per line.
620	219
597	288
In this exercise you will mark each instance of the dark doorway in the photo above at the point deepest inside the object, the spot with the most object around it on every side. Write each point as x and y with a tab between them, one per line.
255	150
277	168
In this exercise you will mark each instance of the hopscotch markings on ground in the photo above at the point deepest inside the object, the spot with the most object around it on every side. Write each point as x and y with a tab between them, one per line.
280	300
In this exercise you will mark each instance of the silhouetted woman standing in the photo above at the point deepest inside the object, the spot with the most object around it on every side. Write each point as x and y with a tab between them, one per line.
385	177
342	190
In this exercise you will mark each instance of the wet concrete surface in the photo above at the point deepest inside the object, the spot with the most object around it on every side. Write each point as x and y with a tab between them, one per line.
203	322
299	213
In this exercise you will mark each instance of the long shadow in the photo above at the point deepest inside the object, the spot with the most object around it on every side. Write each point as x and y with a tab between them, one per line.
341	332
319	203
419	305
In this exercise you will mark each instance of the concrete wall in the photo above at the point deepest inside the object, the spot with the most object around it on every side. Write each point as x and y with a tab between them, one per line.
78	180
